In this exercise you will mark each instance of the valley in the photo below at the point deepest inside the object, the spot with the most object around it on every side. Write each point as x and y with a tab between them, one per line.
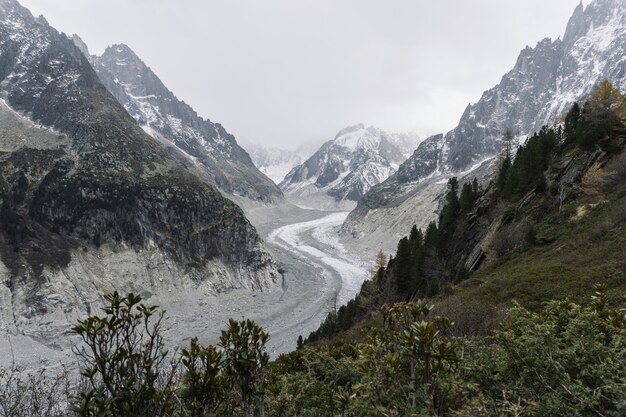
154	261
318	275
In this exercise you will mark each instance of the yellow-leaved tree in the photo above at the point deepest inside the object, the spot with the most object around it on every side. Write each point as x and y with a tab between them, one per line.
605	109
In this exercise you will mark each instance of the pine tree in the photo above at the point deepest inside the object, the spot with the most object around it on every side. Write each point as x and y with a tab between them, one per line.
503	176
572	128
507	138
416	239
431	238
403	266
467	198
507	162
450	211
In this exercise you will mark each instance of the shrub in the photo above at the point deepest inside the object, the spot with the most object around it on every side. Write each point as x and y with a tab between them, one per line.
124	363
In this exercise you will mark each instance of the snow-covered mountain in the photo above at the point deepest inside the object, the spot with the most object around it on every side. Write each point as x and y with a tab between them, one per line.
544	82
345	168
276	163
89	203
201	144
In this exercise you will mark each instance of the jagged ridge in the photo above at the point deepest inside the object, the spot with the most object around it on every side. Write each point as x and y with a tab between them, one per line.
543	83
197	142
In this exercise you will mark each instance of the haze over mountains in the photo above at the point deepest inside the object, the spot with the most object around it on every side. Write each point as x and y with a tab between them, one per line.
275	162
544	82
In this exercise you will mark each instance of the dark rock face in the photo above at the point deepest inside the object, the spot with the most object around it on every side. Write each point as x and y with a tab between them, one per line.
196	142
106	180
545	81
346	167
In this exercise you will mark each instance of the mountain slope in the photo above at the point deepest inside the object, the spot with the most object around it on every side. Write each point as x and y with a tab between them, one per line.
196	142
345	168
549	225
90	202
543	83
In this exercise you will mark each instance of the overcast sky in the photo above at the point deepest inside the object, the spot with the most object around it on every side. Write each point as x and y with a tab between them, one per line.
285	72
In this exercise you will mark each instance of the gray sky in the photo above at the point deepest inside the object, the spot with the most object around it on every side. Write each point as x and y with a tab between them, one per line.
285	72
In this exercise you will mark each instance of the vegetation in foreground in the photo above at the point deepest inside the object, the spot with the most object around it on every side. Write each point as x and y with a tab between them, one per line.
567	359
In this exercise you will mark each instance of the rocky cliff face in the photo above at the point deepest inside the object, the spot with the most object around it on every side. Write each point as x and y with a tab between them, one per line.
198	143
345	168
544	82
89	202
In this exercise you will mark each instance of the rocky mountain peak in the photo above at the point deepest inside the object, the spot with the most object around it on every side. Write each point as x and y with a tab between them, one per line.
10	7
80	44
344	168
204	146
576	24
120	50
350	129
123	61
538	90
605	14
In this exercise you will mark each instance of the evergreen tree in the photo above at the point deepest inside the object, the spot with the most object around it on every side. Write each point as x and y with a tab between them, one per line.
572	128
507	137
416	239
467	197
403	266
532	159
505	166
503	175
452	207
431	238
475	189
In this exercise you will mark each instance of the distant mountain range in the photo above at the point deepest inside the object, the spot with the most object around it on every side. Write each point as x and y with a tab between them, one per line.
544	82
345	168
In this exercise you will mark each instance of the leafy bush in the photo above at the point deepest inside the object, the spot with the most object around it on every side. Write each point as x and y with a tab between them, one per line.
124	363
565	360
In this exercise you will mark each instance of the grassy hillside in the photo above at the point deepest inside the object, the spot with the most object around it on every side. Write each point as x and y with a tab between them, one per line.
576	247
